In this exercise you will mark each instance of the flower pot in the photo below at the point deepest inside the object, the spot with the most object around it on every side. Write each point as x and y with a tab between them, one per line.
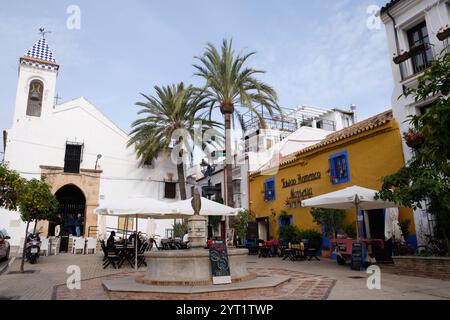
325	252
402	57
443	34
413	139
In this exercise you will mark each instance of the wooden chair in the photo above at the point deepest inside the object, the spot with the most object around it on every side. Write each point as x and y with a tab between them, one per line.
310	251
111	257
141	255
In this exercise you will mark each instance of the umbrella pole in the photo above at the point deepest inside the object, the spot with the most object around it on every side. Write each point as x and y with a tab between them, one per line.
135	245
357	222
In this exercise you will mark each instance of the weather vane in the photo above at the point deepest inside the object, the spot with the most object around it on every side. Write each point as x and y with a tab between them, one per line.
43	32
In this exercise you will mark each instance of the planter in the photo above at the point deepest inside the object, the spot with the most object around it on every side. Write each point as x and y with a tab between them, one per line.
402	57
428	267
413	139
326	252
443	34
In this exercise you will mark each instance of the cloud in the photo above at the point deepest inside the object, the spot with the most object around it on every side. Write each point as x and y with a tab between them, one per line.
336	62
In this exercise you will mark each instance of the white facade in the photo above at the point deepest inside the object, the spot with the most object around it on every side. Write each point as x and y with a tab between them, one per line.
36	141
400	18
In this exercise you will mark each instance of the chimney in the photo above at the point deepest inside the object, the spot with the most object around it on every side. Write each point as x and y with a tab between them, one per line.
353	108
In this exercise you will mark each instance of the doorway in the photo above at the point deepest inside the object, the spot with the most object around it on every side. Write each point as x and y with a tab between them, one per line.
263	228
71	203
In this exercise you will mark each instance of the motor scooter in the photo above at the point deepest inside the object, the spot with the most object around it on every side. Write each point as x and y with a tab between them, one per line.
32	247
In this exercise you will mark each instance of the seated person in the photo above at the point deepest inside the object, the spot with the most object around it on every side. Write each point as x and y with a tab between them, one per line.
133	236
110	243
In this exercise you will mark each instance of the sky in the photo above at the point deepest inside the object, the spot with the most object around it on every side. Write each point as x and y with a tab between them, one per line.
320	53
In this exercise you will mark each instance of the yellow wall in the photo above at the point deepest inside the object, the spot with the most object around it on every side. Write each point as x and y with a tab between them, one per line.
371	155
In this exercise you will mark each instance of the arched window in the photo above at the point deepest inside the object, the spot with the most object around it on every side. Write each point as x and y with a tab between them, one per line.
35	95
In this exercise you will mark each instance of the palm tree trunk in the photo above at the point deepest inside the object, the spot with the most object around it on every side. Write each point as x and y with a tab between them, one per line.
228	173
229	160
181	181
24	244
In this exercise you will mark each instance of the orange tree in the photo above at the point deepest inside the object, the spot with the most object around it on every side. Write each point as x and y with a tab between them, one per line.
426	177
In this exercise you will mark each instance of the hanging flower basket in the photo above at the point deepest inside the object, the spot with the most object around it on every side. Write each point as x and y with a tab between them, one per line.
402	57
443	34
413	139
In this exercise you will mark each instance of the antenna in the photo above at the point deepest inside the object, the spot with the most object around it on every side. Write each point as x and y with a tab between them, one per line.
43	32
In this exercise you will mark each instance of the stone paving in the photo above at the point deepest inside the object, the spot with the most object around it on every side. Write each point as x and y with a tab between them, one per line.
301	286
309	280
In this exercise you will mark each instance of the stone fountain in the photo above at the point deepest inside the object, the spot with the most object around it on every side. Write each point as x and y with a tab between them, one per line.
171	272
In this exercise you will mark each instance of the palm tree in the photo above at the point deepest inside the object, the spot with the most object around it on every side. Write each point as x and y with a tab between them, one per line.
233	87
174	107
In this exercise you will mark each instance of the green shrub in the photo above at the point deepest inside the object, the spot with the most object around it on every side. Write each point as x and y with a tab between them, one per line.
179	230
289	233
314	237
404	226
350	230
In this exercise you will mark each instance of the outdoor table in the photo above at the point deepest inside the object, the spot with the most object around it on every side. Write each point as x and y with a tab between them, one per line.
127	253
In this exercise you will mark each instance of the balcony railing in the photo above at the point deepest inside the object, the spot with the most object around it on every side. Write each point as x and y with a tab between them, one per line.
417	60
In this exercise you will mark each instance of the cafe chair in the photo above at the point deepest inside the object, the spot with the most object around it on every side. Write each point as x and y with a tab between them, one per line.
45	246
78	244
111	257
91	245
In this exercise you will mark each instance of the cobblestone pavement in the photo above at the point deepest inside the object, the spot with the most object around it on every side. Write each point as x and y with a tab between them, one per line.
309	280
49	272
301	286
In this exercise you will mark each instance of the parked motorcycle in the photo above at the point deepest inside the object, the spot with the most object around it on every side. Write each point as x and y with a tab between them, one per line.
32	248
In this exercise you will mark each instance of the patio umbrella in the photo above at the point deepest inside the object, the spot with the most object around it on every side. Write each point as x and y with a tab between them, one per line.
354	197
101	222
391	225
208	208
137	207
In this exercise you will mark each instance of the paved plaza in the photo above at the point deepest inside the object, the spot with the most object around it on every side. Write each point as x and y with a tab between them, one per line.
314	280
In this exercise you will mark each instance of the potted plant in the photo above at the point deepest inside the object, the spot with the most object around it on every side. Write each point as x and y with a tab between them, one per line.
443	33
413	138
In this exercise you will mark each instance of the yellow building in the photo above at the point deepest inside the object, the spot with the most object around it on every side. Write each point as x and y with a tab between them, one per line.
358	155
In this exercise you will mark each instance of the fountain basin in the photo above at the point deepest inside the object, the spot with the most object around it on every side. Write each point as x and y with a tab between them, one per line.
191	267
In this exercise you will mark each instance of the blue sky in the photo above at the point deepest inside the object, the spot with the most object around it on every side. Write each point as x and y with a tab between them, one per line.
318	53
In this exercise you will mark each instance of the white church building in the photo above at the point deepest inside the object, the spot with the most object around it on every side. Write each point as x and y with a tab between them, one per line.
82	154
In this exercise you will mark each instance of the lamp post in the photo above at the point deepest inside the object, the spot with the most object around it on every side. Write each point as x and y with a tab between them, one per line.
99	156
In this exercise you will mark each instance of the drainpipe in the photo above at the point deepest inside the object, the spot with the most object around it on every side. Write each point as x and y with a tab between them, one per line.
397	45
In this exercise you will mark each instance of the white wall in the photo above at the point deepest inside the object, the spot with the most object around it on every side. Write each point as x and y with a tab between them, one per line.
408	13
36	141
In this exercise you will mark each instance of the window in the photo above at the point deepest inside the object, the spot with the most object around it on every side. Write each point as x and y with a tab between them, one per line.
420	50
170	190
339	172
72	158
269	189
35	94
285	220
122	223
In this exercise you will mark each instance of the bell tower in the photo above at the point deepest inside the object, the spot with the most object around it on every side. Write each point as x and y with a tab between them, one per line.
37	83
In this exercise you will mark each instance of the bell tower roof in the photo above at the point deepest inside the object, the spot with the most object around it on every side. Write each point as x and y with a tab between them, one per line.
40	56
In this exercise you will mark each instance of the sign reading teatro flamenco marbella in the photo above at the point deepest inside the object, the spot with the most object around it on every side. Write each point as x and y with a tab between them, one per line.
301	179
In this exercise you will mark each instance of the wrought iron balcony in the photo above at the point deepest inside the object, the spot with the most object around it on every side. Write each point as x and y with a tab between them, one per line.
415	61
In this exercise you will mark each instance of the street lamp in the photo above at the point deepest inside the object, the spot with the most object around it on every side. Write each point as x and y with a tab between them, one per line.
99	156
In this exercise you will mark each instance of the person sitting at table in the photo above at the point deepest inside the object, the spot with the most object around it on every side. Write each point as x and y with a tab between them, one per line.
133	236
110	243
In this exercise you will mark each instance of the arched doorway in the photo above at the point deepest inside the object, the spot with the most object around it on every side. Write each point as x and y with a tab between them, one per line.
71	203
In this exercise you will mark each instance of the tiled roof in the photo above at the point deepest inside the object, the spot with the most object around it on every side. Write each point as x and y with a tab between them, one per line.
389	5
357	128
41	51
40	56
